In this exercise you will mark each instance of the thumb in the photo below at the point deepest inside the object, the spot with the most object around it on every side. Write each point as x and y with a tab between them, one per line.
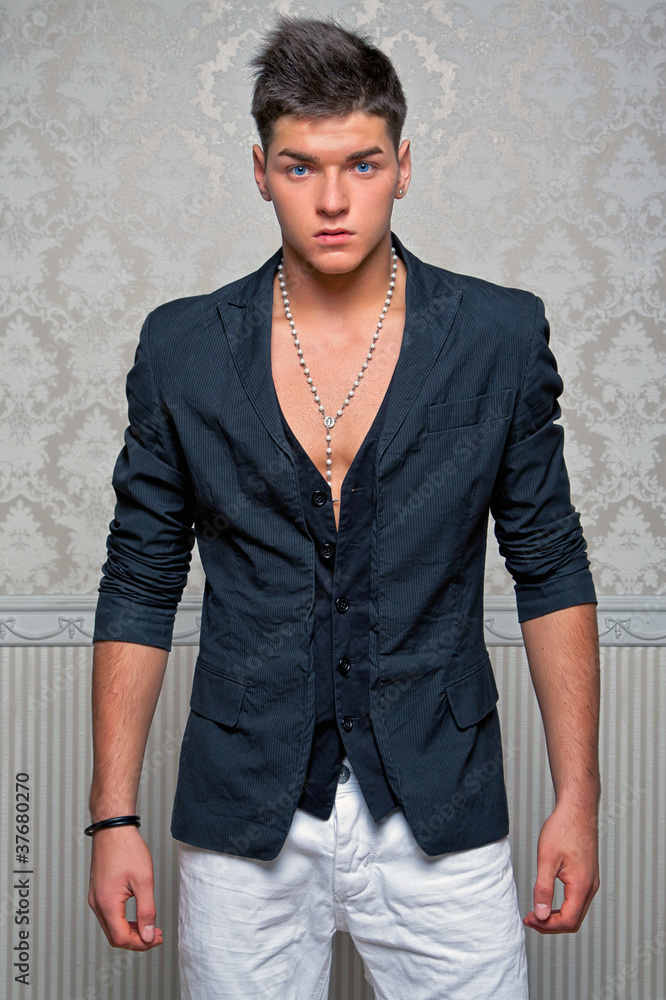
145	913
544	888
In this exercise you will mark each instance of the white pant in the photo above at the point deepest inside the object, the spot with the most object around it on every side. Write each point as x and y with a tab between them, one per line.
426	928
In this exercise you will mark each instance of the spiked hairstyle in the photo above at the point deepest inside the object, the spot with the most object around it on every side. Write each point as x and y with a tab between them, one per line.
315	69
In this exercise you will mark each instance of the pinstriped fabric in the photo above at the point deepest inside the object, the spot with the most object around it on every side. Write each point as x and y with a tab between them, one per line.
469	426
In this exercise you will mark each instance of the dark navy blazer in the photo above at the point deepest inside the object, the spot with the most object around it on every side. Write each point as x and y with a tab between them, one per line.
470	426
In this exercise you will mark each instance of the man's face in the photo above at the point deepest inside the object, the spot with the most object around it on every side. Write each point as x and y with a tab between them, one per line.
332	183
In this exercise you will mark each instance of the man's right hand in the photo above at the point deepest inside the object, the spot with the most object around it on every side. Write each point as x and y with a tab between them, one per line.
120	867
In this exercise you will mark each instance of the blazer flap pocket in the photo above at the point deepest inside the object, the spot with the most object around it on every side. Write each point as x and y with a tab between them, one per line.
216	696
474	696
460	412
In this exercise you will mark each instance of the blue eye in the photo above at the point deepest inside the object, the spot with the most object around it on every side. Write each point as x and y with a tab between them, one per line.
299	166
367	165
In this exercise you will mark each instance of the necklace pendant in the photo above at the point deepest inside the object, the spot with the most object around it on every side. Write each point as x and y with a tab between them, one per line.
330	421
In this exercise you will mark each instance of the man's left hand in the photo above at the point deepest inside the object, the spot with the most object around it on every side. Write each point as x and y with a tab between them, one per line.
567	849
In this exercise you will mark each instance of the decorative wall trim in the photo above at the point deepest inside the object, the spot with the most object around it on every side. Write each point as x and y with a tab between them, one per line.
69	620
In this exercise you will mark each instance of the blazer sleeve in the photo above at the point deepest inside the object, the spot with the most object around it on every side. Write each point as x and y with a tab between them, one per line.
150	541
536	525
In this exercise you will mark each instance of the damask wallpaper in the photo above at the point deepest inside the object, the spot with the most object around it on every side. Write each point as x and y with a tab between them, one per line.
125	172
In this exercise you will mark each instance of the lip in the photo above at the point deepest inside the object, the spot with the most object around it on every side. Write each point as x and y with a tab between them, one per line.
332	237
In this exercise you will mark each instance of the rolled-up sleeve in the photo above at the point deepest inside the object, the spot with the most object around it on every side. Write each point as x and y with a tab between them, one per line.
149	546
536	525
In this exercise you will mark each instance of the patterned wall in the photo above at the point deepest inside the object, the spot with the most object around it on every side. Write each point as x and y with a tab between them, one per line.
125	181
125	172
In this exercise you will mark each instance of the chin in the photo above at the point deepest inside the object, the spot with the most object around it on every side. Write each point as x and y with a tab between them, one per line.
331	260
337	261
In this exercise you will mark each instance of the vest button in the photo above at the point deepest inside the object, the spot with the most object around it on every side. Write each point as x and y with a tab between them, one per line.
344	774
318	498
327	550
344	666
342	604
347	723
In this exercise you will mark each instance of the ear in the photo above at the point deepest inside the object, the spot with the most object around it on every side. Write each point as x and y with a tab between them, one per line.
259	161
404	168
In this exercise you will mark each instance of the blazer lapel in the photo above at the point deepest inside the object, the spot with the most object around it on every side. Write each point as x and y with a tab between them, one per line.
247	317
430	308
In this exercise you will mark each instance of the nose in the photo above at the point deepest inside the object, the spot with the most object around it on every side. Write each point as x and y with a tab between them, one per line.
332	195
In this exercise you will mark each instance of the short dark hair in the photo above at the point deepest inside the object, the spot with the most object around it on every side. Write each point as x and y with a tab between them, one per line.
314	69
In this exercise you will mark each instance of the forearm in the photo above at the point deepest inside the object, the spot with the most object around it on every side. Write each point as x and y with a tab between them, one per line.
563	655
126	683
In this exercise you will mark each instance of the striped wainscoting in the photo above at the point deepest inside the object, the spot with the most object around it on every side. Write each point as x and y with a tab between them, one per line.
619	954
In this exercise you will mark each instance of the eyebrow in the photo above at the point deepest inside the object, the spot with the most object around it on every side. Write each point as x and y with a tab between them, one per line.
360	154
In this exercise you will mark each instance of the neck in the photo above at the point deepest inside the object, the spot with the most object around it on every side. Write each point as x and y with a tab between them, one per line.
339	295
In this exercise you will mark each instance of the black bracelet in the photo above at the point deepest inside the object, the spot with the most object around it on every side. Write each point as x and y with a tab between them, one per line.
114	821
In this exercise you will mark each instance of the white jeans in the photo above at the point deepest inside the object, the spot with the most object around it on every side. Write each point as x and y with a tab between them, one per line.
426	928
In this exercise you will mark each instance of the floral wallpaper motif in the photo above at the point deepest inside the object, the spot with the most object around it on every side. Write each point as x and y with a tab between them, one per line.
125	180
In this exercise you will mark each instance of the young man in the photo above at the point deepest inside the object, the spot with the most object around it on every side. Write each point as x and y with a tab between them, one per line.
337	426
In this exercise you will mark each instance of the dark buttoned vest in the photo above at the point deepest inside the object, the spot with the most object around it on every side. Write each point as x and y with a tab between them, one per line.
343	724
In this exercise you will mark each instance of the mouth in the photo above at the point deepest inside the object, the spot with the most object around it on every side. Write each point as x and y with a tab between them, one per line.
333	237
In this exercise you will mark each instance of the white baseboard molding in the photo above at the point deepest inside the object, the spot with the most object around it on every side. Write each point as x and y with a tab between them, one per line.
68	620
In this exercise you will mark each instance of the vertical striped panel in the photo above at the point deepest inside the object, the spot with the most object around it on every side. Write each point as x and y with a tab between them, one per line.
619	952
46	731
347	978
45	726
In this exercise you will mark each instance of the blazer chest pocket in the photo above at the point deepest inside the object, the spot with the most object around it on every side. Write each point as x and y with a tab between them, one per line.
472	697
476	410
216	696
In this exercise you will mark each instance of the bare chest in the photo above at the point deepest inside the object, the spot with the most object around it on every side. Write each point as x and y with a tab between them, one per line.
333	366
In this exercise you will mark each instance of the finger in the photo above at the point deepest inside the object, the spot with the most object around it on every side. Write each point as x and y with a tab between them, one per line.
578	896
566	920
101	919
111	917
158	938
121	932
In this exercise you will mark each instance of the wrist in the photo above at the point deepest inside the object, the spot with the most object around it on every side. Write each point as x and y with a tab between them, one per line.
113	822
580	797
106	808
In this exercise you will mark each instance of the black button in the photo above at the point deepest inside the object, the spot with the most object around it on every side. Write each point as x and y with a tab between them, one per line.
344	774
347	723
342	604
327	550
318	498
344	666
